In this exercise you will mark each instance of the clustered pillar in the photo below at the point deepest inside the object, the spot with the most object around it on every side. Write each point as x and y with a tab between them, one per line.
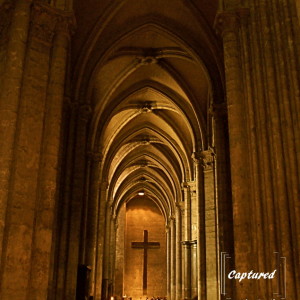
178	217
47	204
13	58
261	55
92	215
238	149
187	280
99	273
32	99
207	225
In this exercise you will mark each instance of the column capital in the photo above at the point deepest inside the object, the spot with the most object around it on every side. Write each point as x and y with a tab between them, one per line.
48	20
186	185
196	157
171	218
114	219
207	158
189	243
43	22
167	227
230	20
66	24
180	205
169	222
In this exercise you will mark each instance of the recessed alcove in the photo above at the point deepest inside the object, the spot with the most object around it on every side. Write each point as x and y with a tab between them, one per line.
138	272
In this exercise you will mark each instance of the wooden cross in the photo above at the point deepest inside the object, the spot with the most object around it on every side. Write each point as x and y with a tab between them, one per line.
145	245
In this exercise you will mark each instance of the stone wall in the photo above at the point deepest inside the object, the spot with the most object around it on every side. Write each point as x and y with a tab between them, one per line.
143	214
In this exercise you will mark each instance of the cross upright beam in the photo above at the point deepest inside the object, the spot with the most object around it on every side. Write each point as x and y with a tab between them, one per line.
145	245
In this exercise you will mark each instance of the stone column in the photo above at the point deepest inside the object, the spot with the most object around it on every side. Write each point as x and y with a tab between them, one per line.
93	215
172	224
78	179
281	105
223	191
120	251
48	174
207	158
269	94
23	197
228	23
99	274
169	267
178	252
186	245
112	255
63	213
200	237
273	114
10	89
106	254
263	236
194	270
194	212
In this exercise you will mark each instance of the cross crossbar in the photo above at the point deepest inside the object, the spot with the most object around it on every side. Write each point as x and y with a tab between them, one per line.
145	245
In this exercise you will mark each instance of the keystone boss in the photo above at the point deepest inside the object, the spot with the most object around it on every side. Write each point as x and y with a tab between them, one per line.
251	275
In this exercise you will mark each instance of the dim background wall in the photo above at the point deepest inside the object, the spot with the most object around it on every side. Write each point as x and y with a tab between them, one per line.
142	214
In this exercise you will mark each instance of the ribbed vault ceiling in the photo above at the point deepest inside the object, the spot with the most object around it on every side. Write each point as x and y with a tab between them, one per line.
150	92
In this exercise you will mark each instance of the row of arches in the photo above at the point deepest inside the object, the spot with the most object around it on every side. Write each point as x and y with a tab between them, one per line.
151	92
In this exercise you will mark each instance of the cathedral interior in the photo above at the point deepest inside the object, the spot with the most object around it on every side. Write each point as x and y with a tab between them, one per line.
149	148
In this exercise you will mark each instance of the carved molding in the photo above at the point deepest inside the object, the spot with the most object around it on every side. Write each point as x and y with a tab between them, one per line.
196	157
46	21
185	185
172	218
180	206
66	25
43	23
146	140
167	228
147	60
230	21
207	158
189	186
146	108
189	243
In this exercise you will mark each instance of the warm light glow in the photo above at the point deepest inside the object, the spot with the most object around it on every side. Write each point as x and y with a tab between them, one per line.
141	193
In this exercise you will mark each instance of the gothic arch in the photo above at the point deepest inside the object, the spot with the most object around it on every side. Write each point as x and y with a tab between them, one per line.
149	89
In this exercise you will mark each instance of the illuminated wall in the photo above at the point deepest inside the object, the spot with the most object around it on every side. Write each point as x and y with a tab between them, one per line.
142	214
